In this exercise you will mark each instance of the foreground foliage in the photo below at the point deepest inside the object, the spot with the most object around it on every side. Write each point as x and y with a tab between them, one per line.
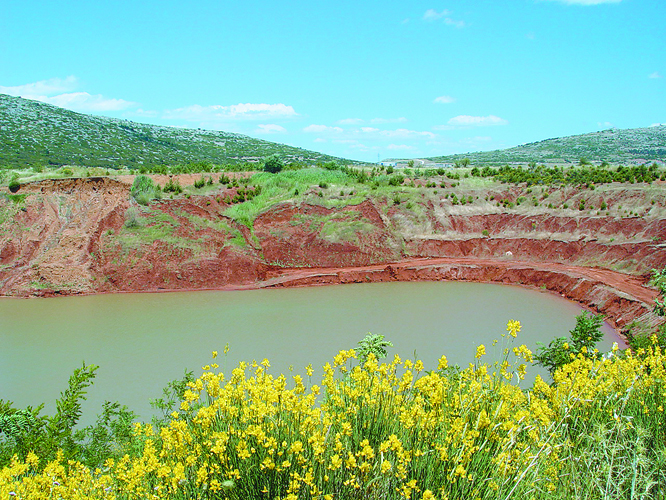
389	430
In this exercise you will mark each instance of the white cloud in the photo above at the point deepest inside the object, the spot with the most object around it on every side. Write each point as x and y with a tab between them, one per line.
605	124
270	128
432	15
477	121
444	99
87	103
658	125
60	92
319	139
369	130
654	75
350	121
586	2
319	129
42	88
218	113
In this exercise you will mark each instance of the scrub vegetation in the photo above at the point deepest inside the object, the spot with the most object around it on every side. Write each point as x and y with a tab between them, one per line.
613	145
42	136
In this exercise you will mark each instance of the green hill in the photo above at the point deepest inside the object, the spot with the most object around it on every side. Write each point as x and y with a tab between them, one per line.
34	133
612	145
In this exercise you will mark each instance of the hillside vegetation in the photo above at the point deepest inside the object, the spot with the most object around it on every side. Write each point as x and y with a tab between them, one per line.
37	134
612	145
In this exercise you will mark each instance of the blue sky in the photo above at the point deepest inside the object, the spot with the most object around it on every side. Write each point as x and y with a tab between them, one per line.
357	79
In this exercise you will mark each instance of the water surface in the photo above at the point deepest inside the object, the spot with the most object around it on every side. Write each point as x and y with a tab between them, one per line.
142	341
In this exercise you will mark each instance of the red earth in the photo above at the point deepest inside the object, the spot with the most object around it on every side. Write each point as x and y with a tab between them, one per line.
72	236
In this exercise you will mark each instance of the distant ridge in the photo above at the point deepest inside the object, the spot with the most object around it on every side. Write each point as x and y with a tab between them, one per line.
612	145
34	133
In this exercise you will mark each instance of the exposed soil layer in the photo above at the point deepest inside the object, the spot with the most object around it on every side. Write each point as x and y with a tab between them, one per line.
73	236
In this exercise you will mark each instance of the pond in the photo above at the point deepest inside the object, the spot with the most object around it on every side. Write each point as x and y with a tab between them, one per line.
142	341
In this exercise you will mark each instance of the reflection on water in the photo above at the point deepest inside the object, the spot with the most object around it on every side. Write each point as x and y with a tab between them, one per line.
142	341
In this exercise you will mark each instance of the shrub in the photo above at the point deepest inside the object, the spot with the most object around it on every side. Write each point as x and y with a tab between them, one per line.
14	185
396	180
562	350
273	164
132	218
144	190
374	344
379	430
199	183
173	187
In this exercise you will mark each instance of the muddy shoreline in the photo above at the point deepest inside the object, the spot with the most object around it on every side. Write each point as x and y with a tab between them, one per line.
619	297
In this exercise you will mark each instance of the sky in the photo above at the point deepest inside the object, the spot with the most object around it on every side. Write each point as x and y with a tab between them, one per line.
362	79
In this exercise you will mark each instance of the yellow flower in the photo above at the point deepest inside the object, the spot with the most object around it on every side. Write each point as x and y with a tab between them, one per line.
480	351
443	363
214	354
513	327
428	495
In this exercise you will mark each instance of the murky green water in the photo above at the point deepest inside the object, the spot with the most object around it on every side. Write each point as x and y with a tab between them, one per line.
142	341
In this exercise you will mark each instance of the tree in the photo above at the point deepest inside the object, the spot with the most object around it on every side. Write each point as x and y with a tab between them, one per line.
463	163
273	164
584	338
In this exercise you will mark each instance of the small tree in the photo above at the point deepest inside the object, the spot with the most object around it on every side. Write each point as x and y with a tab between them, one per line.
584	338
273	164
374	344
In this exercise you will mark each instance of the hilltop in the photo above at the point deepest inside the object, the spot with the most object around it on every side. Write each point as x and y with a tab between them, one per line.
34	133
612	145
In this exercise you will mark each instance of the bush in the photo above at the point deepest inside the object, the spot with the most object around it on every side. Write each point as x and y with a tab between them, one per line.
144	190
14	185
173	187
584	338
273	164
199	183
132	218
396	180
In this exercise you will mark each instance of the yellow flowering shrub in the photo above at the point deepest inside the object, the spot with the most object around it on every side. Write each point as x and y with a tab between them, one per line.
381	430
